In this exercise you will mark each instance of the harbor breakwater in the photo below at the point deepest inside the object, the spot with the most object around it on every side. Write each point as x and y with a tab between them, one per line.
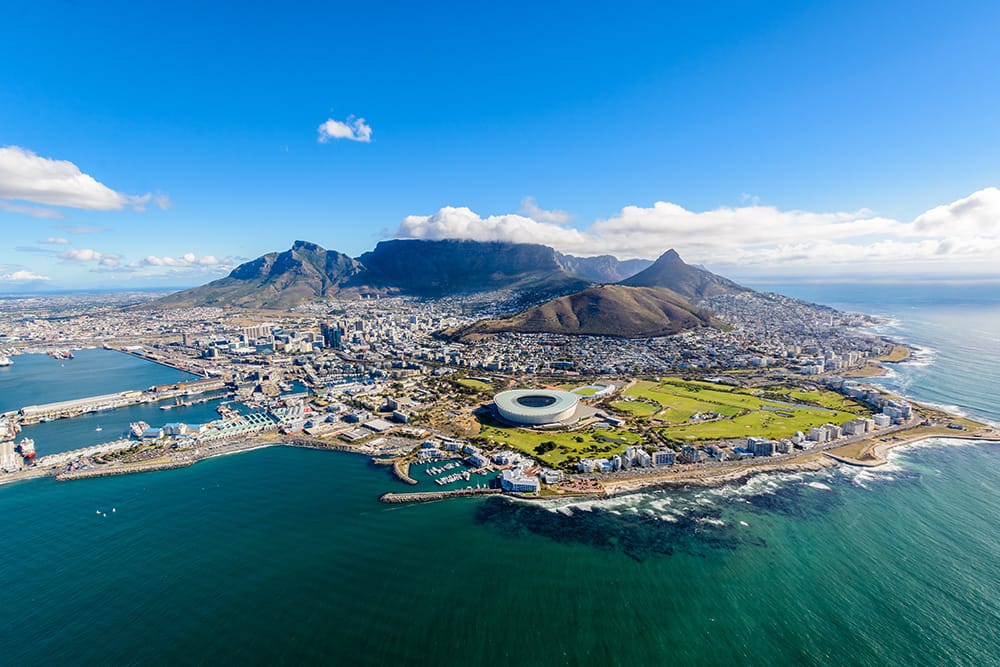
428	496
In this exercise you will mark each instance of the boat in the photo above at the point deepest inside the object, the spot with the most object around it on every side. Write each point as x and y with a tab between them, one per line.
98	429
27	447
5	361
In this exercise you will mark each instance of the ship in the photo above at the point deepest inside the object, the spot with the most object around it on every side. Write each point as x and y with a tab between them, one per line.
5	361
27	447
136	428
61	355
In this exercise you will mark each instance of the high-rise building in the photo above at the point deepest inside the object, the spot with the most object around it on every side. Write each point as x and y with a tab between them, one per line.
332	335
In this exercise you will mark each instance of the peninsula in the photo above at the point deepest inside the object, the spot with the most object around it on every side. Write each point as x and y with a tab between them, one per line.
527	378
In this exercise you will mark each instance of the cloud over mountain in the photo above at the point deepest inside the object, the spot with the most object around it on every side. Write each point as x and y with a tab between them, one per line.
962	236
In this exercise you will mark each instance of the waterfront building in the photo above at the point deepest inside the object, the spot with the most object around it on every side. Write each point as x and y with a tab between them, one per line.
855	427
691	454
760	446
664	457
515	479
175	428
833	431
882	420
818	434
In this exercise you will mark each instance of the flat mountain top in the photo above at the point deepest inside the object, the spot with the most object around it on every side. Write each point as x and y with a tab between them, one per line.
308	272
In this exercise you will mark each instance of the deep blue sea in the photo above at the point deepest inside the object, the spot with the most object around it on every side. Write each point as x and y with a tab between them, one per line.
285	556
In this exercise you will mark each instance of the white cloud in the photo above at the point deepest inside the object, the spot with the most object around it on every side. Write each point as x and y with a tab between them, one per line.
54	240
22	276
530	208
462	223
187	259
84	230
27	177
33	211
963	236
353	129
85	255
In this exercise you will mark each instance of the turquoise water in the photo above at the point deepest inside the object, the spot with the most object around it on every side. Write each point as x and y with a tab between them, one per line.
284	555
62	435
34	379
38	378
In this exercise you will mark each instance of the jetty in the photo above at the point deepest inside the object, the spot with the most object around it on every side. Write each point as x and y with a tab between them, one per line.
428	496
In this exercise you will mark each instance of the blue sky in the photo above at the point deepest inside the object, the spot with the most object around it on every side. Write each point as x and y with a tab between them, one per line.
160	143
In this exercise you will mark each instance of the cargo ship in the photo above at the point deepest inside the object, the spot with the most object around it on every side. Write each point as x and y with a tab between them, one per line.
27	447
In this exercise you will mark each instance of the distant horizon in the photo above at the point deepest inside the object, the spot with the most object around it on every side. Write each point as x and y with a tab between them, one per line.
842	140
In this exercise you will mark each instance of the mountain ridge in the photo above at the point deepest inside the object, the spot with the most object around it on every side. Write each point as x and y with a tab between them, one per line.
431	269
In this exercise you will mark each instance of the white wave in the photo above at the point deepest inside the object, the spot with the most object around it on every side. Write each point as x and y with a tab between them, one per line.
711	521
669	518
744	523
930	443
820	485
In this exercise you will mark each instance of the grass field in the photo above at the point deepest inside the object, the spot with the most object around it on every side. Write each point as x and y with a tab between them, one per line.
826	399
568	446
679	400
478	385
635	408
585	391
745	414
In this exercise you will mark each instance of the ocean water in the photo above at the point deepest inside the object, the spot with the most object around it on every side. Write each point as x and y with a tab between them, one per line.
37	378
283	555
34	379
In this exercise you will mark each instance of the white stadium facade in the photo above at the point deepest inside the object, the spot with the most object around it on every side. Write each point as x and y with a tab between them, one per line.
536	407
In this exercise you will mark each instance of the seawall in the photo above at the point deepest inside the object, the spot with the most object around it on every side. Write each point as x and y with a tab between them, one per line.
428	496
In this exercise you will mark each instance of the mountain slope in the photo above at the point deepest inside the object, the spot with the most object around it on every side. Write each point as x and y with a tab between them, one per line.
603	268
671	272
276	280
605	310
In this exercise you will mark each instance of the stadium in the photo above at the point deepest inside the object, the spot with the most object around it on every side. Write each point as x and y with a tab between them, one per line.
536	407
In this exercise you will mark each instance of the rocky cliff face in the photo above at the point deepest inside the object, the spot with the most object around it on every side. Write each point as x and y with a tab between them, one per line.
437	268
671	272
603	268
308	272
276	280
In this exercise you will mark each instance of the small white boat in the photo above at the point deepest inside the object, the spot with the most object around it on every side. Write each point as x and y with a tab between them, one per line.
98	429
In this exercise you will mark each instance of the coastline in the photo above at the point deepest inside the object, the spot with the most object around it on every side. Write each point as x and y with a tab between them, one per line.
868	452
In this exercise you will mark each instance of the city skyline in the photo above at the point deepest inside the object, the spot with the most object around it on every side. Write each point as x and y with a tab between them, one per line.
139	148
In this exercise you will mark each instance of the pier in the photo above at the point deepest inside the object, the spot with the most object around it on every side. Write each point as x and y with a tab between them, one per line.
428	496
32	414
